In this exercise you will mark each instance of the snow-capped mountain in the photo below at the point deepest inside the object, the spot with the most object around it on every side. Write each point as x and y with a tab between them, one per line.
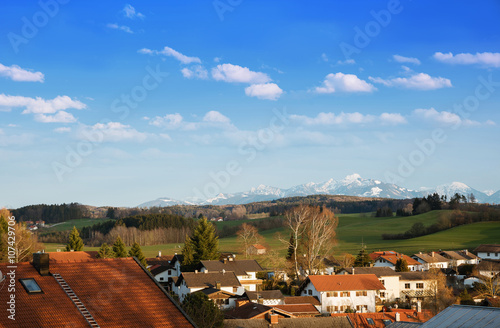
351	185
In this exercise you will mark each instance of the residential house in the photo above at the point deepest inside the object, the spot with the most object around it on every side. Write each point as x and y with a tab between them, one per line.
222	298
256	249
488	251
488	268
245	270
190	282
415	286
60	290
458	258
298	300
338	293
266	297
161	268
256	311
431	260
390	258
388	277
176	262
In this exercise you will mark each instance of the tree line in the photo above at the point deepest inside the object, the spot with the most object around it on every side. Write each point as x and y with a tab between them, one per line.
50	213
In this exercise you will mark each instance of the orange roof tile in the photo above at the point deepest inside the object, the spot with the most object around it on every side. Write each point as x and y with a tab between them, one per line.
258	246
346	282
298	309
116	292
394	258
361	319
72	256
302	300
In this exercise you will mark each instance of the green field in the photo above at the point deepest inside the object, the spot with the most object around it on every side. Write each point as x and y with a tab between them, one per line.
355	229
68	225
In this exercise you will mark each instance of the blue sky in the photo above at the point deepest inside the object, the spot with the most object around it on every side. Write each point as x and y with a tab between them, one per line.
118	103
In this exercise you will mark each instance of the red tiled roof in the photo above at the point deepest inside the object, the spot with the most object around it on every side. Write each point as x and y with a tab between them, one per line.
394	258
346	282
298	309
258	246
374	255
116	292
360	319
302	300
72	256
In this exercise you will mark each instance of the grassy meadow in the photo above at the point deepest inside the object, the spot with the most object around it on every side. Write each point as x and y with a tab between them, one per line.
353	229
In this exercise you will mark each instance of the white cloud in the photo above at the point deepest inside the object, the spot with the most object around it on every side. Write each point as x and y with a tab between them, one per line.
169	121
40	107
270	91
419	81
130	12
443	117
113	132
16	73
490	122
324	57
167	51
346	62
16	139
349	118
333	119
392	118
196	71
491	59
235	73
216	117
63	130
59	117
402	59
340	82
217	59
123	28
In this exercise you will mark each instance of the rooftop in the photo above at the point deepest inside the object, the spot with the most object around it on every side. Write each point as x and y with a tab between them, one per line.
378	271
265	294
345	282
432	257
298	309
116	292
393	258
317	322
208	279
465	316
302	300
488	248
239	267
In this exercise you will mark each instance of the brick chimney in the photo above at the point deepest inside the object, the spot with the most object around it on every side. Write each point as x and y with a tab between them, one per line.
218	285
432	254
398	316
224	260
41	263
273	319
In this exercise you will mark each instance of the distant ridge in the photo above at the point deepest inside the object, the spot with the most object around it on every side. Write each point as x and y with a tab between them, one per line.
351	185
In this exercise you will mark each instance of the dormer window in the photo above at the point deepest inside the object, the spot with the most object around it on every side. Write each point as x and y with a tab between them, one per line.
31	286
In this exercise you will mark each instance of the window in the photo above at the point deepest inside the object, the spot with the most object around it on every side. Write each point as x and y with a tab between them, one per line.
345	294
420	285
161	278
169	272
361	293
382	294
383	282
487	254
31	286
235	289
310	292
370	321
330	308
360	308
331	294
387	322
407	286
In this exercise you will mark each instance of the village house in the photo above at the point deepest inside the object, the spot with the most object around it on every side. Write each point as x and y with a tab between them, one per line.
256	249
266	297
161	268
488	251
431	260
245	270
390	258
73	289
415	286
338	293
190	282
388	277
458	258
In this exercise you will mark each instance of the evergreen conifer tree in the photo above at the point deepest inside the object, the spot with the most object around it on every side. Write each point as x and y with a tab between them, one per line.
75	242
119	248
105	252
137	252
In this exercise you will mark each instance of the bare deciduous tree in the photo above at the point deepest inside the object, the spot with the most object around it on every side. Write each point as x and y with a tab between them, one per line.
247	236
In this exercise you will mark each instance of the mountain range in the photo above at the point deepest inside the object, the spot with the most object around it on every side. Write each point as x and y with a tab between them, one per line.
351	185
